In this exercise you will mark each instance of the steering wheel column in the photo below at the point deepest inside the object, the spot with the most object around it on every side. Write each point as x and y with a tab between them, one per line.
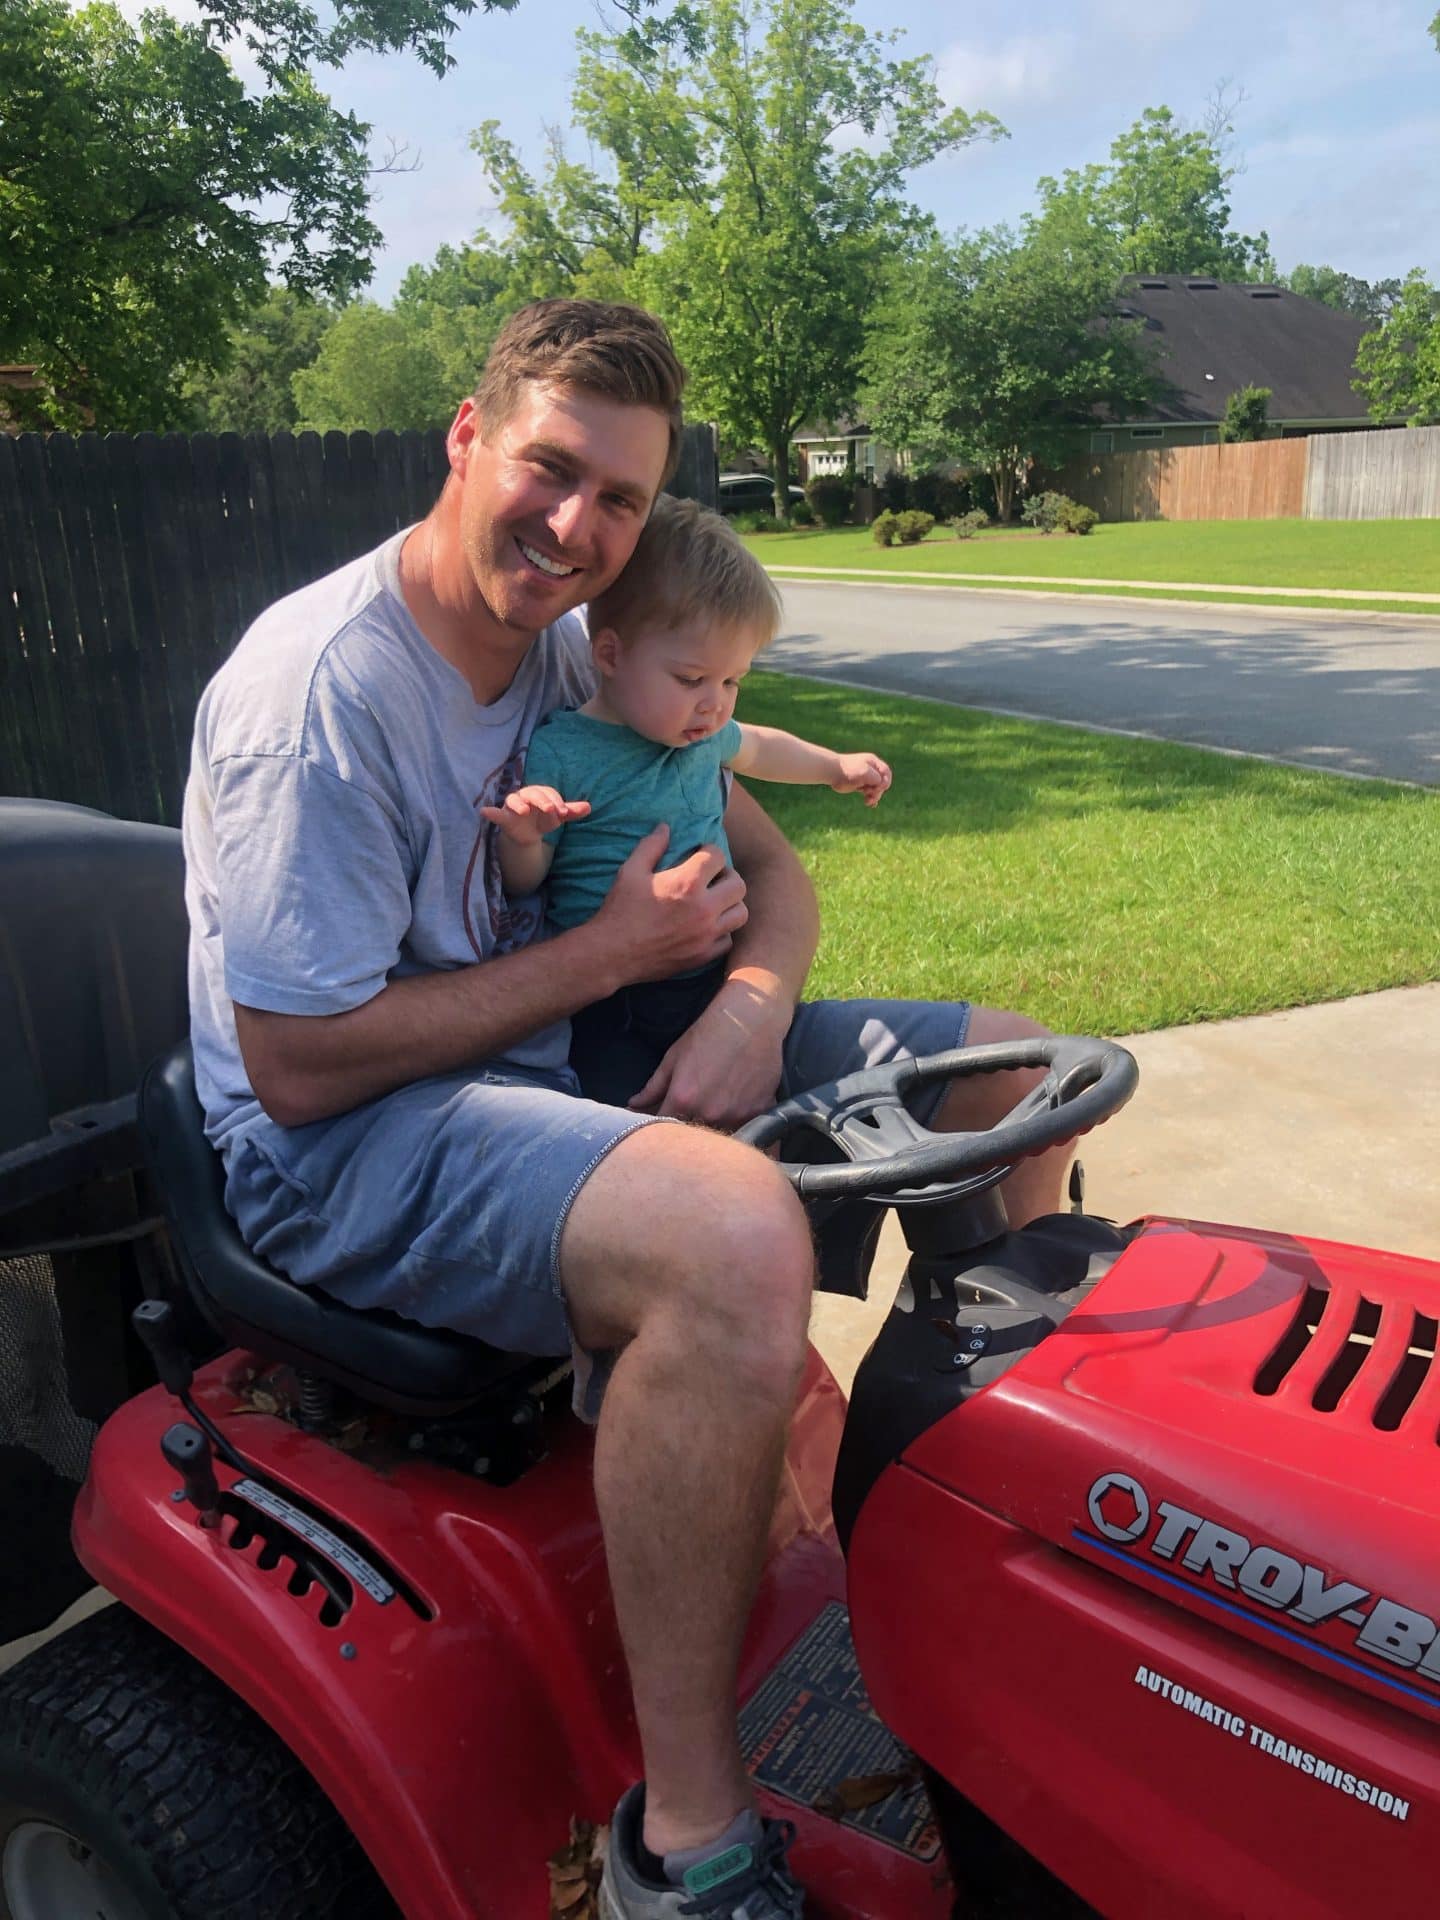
855	1139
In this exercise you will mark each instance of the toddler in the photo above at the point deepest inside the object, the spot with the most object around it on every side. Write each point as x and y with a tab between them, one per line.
672	639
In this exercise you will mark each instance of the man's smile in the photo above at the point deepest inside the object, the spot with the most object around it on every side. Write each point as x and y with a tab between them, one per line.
553	569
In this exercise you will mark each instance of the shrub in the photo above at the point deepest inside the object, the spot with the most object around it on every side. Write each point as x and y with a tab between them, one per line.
831	495
967	525
758	523
1077	519
884	527
912	526
895	491
802	514
937	493
1247	415
1058	513
1042	510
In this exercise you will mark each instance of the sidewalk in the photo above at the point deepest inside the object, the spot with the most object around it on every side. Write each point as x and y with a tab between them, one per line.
1322	1121
963	577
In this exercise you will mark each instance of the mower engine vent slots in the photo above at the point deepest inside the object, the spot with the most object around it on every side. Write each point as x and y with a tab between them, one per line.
1409	1376
278	1545
1294	1341
1358	1347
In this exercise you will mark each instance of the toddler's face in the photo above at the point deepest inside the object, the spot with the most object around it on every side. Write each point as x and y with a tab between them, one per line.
675	688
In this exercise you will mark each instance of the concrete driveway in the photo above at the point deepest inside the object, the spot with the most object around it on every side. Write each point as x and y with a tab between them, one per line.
1321	1121
1354	693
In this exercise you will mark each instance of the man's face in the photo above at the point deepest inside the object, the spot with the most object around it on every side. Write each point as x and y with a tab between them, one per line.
552	504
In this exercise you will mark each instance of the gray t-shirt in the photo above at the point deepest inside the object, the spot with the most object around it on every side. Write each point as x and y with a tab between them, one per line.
333	839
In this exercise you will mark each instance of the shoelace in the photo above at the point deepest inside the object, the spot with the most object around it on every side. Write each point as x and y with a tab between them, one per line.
766	1873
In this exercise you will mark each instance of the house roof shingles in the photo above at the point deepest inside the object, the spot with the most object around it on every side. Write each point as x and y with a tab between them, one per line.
1246	336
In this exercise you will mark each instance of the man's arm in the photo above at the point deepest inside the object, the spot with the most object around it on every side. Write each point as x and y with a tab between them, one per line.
308	1066
725	1069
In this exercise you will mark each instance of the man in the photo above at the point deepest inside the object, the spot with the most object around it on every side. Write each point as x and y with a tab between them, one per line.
381	1045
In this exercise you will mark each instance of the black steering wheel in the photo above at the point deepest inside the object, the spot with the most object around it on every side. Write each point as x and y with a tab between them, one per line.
888	1152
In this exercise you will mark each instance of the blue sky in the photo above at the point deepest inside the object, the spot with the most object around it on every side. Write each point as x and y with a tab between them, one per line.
1340	133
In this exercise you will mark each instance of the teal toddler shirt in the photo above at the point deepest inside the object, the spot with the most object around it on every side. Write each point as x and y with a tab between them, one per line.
632	784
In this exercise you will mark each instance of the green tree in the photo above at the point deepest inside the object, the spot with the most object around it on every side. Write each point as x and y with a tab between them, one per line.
128	157
1158	205
146	196
752	159
458	304
1370	299
1398	367
988	351
377	367
1247	414
252	393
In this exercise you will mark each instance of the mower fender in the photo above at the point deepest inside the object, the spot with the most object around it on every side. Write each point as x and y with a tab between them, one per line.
453	1714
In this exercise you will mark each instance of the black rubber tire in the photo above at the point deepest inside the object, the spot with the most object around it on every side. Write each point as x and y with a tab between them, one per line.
113	1733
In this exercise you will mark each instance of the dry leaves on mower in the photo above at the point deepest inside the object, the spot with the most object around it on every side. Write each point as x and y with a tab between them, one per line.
863	1790
575	1872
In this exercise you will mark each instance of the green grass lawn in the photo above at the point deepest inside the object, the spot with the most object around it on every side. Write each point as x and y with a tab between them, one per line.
1098	883
1374	555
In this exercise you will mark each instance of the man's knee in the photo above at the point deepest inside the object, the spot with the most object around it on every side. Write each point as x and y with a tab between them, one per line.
682	1222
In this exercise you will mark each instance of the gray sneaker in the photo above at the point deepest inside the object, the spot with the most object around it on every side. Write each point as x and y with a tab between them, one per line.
745	1877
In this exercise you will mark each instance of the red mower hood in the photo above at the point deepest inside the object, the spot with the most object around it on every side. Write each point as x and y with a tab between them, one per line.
1246	1425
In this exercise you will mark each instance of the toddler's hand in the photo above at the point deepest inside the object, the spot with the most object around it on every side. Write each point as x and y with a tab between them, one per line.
864	773
529	813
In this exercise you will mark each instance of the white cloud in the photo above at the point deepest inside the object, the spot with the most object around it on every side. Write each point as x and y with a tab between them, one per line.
1024	70
1159	21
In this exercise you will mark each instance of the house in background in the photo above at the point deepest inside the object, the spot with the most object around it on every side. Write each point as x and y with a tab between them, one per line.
822	447
1212	337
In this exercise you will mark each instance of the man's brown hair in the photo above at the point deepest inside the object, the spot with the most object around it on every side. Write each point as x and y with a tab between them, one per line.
601	346
690	569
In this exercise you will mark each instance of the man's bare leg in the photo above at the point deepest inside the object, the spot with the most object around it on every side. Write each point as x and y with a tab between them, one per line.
969	1105
692	1254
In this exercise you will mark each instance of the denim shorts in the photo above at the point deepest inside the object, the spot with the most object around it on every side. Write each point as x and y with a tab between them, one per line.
446	1200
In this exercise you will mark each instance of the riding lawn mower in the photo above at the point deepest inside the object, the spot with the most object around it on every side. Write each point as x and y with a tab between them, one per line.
1112	1573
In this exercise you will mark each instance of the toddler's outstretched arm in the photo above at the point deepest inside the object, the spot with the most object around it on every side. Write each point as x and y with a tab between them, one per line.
768	754
528	814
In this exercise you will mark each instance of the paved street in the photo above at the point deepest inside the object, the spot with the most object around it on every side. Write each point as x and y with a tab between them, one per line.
1357	695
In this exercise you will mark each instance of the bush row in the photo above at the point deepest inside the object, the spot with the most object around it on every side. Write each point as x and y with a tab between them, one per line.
830	499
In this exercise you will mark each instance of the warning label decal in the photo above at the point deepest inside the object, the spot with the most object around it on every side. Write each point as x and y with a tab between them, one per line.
809	1730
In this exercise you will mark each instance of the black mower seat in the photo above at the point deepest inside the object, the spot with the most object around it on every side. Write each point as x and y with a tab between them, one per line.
382	1357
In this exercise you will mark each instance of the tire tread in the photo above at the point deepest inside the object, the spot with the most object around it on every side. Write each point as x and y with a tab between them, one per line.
229	1823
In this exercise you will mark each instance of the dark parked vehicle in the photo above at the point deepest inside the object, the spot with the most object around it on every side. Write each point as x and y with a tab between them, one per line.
751	493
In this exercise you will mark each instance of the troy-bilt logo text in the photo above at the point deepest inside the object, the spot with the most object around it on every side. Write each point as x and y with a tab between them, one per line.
1120	1510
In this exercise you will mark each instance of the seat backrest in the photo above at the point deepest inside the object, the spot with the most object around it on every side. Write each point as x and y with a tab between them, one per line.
93	941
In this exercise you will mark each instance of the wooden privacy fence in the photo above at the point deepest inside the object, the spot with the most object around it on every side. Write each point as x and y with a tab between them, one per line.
1252	480
131	564
1390	474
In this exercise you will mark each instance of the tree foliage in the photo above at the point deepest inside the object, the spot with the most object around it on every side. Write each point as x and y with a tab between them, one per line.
377	367
987	350
1159	205
1398	367
252	393
1247	414
146	196
134	169
748	186
1370	299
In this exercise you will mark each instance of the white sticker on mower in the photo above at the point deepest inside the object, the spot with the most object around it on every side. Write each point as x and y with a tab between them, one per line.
1327	1772
321	1538
1121	1510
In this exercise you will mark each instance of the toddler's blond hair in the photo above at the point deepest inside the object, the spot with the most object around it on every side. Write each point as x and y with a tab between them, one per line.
689	569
